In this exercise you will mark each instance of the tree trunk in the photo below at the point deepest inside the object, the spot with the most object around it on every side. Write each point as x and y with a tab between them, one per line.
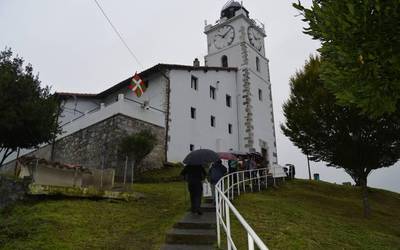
309	170
364	187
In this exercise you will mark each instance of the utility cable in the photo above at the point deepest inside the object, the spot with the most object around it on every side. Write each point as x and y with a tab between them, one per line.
118	34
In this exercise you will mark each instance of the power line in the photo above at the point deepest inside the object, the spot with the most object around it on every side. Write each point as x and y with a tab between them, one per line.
118	34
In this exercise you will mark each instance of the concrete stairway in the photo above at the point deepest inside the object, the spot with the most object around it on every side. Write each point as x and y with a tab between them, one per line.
194	232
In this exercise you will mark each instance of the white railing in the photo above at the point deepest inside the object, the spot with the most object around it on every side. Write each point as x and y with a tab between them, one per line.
225	191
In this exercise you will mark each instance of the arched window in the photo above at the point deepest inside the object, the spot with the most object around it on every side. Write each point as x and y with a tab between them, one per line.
258	64
224	61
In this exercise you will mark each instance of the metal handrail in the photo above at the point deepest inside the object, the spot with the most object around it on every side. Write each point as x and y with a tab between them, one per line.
224	192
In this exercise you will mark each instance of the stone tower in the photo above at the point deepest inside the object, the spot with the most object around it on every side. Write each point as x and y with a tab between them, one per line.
236	40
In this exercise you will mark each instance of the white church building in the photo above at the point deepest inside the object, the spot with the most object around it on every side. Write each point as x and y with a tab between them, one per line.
224	104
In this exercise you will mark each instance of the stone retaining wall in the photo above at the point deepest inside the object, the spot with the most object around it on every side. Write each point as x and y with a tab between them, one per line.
97	146
12	190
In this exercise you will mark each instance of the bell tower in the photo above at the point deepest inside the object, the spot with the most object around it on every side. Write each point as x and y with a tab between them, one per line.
231	32
236	40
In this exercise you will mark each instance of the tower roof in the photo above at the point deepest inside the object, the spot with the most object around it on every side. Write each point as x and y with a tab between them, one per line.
230	8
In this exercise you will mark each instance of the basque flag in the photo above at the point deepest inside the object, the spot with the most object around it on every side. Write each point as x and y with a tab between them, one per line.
137	85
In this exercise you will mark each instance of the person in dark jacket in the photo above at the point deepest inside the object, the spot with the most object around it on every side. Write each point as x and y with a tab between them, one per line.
216	172
194	175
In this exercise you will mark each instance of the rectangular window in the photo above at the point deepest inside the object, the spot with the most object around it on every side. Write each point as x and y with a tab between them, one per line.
228	100
212	92
193	83
260	95
193	113
212	121
191	147
258	64
230	128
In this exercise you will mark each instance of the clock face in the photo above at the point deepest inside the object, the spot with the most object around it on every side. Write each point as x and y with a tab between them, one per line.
224	36
255	38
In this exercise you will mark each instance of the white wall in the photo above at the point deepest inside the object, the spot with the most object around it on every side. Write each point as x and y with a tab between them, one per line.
75	107
184	130
154	94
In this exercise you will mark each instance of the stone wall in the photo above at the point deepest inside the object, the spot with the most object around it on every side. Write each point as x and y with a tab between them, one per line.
12	190
97	145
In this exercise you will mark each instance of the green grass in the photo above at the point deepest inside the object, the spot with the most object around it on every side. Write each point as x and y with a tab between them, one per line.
297	215
318	215
91	224
167	174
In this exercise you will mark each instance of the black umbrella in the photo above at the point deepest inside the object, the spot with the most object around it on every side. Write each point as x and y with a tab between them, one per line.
201	157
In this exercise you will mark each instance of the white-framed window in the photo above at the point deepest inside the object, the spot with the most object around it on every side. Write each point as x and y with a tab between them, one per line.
260	97
191	147
193	83
212	92
230	128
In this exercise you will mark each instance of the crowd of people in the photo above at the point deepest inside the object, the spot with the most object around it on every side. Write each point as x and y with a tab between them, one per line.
196	174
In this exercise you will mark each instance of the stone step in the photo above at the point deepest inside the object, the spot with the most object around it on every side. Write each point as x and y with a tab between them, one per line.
191	236
208	200
194	221
187	247
207	207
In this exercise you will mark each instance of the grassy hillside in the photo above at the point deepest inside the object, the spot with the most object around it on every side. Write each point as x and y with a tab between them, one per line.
318	215
89	224
297	215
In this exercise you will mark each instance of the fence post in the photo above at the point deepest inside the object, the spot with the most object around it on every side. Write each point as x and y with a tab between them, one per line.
244	182
251	180
125	169
217	210
258	180
222	207
227	188
238	183
102	172
228	226
133	166
233	186
250	242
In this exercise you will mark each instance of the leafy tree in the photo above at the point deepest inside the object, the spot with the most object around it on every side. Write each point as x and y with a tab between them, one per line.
338	135
360	50
137	146
28	113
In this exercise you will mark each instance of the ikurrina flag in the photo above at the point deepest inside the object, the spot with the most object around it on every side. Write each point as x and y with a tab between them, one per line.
137	85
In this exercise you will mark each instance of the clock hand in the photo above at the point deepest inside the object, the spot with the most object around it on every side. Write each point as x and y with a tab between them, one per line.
223	36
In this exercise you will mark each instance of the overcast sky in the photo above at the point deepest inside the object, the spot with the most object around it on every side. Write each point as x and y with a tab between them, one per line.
74	49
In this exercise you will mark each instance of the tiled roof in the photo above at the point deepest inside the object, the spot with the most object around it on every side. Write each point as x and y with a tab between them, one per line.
75	94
